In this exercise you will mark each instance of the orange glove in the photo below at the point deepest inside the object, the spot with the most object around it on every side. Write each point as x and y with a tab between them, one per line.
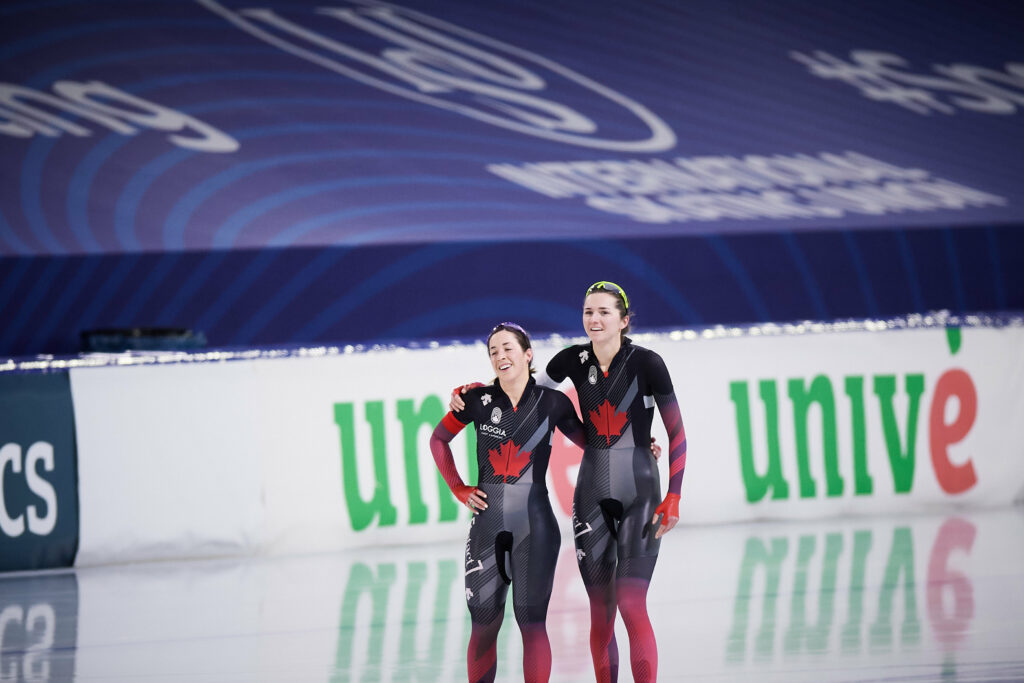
669	513
471	497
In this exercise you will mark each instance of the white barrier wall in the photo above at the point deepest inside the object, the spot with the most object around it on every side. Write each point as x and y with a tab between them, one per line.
306	454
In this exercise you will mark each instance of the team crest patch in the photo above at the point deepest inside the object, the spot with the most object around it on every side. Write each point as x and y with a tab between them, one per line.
496	415
592	375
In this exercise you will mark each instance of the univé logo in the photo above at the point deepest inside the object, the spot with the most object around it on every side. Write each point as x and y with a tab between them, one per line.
424	59
950	415
37	518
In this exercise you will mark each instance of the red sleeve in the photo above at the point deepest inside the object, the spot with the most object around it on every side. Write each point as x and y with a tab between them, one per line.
452	423
673	419
442	452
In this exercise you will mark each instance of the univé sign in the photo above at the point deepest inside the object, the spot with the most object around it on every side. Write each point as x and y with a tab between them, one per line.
868	398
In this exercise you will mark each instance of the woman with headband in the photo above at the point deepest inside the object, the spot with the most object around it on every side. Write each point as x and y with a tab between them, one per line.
514	537
616	508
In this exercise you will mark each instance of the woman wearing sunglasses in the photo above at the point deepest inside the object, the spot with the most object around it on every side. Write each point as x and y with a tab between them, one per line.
616	508
514	537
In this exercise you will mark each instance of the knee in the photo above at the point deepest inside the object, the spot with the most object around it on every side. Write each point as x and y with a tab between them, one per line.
602	603
486	623
533	631
631	596
531	615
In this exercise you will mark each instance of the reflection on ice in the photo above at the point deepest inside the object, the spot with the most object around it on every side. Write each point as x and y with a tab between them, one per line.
925	597
910	593
38	625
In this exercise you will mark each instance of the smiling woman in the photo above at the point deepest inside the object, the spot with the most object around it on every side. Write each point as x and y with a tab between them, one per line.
615	506
514	535
509	346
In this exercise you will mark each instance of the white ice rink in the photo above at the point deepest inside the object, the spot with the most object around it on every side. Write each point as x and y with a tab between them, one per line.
881	599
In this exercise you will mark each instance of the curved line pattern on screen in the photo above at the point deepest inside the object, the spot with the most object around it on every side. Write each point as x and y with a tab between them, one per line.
8	236
80	190
287	238
39	148
177	219
32	174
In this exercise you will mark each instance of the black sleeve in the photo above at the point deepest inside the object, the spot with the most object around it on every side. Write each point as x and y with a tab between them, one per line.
558	367
465	416
657	374
567	421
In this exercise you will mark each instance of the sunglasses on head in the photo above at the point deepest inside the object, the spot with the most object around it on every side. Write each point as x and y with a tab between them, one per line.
606	286
507	325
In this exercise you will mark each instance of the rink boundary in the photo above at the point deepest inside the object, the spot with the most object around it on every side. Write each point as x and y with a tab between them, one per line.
931	320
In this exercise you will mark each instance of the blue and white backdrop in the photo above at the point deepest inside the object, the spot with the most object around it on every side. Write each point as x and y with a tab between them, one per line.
351	171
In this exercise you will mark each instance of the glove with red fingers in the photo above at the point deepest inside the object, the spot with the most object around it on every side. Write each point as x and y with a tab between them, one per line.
669	513
455	404
471	497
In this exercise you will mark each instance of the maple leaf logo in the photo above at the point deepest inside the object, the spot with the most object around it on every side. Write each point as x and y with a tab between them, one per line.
507	461
608	421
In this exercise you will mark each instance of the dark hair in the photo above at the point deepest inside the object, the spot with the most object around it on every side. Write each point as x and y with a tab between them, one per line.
520	334
621	301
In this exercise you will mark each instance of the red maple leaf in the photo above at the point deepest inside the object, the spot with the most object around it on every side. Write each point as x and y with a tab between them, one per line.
608	421
507	461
